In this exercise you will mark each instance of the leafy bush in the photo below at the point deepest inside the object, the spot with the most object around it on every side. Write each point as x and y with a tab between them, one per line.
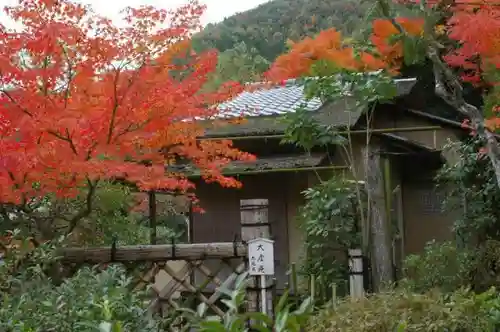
235	320
330	220
471	181
399	310
89	301
486	271
103	301
448	267
441	265
37	298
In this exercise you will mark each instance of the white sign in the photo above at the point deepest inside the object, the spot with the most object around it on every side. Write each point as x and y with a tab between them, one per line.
261	257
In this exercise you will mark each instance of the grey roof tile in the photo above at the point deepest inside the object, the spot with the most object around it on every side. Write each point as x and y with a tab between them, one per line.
270	101
283	99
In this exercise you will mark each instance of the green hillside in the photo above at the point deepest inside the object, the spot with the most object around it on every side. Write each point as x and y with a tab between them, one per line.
268	26
251	40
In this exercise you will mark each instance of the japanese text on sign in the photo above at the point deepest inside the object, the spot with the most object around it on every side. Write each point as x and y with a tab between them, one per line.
261	256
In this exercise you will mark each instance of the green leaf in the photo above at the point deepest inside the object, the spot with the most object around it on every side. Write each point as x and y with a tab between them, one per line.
260	317
230	304
282	301
305	307
105	327
117	327
212	326
281	321
201	310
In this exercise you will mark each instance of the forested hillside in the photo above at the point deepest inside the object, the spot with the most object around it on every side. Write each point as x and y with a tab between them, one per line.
260	35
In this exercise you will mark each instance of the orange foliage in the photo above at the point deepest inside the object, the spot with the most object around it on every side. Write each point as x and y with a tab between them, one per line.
476	25
383	30
493	122
328	45
83	99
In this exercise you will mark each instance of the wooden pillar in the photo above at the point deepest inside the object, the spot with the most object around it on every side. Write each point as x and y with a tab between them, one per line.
381	253
356	283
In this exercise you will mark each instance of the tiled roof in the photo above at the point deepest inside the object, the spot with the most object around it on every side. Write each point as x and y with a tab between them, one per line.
272	101
263	108
283	99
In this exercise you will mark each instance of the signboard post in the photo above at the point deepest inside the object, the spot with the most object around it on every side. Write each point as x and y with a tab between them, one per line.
261	263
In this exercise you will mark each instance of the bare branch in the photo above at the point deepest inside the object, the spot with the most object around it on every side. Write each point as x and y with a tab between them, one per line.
117	102
7	93
66	138
87	210
70	76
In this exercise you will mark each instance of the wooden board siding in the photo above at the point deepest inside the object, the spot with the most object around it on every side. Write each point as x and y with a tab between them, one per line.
434	139
222	218
295	199
424	220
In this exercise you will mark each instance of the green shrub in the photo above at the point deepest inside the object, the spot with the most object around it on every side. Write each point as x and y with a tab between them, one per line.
441	265
400	310
471	180
104	301
286	319
89	301
447	267
330	220
486	271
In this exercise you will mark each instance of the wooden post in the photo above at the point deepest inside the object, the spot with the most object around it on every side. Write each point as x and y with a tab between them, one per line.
152	216
312	288
356	284
381	254
334	296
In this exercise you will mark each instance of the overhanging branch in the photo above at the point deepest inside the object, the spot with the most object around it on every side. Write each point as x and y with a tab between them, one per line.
449	88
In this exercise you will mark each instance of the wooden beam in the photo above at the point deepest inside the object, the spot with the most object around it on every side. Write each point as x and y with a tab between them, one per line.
154	253
277	170
340	132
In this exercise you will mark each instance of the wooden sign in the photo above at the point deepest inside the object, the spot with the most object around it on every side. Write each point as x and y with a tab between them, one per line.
261	257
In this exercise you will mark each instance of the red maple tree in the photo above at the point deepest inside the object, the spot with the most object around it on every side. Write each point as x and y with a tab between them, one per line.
82	100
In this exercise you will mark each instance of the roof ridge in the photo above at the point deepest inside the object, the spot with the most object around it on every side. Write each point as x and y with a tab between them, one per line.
294	81
287	83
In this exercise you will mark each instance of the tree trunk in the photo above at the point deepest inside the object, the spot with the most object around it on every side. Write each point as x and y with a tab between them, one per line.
381	253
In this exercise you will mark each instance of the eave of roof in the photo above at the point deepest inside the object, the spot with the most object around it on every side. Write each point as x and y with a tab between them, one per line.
260	165
411	144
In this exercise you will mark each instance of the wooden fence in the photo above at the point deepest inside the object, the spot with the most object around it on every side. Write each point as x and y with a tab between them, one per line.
181	275
185	275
